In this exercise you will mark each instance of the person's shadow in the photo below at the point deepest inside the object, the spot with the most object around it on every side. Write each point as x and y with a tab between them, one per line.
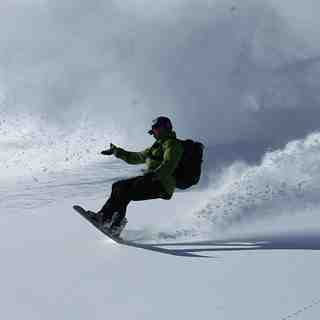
195	249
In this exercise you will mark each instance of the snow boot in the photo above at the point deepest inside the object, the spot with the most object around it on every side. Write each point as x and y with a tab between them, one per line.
97	217
115	227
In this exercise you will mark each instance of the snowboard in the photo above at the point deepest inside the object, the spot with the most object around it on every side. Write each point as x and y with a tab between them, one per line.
84	214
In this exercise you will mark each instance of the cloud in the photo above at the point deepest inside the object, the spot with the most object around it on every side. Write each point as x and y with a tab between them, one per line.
225	71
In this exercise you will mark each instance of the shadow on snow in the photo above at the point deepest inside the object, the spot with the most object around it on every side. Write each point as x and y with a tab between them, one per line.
194	249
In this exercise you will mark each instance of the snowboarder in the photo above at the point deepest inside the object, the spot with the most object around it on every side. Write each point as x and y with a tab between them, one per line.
162	159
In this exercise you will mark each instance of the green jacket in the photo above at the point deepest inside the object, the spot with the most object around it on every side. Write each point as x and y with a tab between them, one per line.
162	159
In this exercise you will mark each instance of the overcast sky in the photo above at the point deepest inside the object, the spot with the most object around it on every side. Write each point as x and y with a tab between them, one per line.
223	70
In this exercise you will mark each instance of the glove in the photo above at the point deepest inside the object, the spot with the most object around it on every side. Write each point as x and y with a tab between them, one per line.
110	151
107	152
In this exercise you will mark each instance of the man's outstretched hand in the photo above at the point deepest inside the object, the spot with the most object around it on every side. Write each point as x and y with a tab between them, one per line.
110	151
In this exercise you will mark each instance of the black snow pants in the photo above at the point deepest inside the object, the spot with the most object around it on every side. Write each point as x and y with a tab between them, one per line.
133	189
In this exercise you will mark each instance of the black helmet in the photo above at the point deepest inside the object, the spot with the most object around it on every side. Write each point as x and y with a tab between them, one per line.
161	122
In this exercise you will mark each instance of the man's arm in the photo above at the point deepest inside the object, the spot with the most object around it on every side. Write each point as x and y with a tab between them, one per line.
131	157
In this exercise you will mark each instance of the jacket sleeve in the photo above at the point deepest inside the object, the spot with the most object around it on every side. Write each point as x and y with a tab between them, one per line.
131	157
172	154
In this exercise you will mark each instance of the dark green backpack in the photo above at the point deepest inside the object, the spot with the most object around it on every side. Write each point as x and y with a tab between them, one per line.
188	171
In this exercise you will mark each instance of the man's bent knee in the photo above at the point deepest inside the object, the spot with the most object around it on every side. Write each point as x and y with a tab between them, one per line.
118	184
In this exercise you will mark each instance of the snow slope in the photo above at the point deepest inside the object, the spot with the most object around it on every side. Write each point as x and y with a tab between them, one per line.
55	265
242	77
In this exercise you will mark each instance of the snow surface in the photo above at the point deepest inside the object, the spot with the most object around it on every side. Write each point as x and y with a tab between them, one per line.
242	77
55	265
